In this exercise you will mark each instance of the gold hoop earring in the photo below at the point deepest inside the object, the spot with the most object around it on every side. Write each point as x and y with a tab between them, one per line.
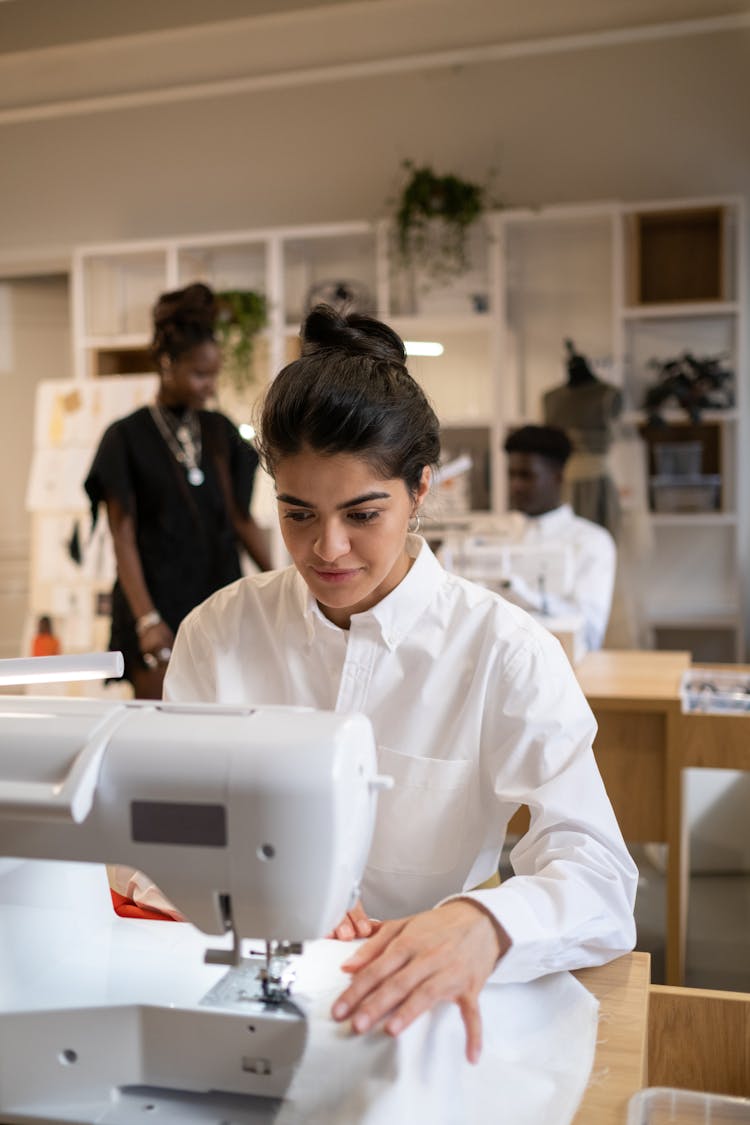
417	520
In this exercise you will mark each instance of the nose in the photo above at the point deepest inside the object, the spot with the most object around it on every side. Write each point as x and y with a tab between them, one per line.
332	542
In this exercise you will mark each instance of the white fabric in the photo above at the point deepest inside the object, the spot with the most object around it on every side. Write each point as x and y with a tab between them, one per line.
476	711
594	562
538	1048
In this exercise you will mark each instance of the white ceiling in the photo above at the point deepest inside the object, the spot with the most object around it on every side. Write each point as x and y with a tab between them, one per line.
31	24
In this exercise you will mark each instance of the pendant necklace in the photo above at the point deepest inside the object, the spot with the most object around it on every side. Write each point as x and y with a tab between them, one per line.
183	440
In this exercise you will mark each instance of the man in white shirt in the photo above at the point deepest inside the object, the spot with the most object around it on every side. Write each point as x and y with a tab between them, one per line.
536	464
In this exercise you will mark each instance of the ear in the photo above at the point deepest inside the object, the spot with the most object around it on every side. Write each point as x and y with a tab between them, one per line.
423	487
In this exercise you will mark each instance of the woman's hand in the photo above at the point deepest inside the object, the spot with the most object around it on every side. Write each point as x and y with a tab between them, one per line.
412	963
156	643
356	923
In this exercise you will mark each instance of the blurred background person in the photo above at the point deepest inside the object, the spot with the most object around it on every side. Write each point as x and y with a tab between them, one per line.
177	480
536	463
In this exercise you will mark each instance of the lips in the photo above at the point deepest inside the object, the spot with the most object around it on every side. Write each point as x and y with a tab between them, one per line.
335	577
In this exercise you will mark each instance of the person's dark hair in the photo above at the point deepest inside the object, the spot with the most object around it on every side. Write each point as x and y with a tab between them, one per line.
350	392
549	442
183	319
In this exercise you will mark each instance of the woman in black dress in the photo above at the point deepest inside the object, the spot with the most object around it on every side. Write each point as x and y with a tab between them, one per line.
177	481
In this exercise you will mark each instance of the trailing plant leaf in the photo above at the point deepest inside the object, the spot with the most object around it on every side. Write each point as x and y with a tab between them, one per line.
433	217
242	314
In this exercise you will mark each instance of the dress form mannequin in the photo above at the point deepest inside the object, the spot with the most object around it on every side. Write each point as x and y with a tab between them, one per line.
587	408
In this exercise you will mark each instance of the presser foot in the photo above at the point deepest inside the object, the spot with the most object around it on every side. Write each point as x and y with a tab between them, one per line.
277	975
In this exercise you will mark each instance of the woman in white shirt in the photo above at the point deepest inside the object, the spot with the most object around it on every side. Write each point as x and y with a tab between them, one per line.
474	706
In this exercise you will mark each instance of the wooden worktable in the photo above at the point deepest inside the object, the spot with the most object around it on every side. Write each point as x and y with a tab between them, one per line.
620	1063
632	678
643	745
635	697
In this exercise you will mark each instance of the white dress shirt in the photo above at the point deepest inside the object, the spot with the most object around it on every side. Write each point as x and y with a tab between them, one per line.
593	572
476	711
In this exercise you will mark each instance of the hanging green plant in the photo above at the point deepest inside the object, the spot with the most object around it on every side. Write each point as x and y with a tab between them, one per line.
433	217
242	314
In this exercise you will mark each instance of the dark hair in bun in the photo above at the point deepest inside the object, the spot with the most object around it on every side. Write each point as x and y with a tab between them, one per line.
183	319
350	392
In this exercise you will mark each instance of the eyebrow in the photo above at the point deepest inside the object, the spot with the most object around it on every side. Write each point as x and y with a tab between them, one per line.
366	497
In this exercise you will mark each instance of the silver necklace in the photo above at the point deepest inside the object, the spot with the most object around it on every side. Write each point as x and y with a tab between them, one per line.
184	441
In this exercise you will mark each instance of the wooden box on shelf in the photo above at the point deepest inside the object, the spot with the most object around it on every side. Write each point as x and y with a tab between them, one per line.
677	256
121	361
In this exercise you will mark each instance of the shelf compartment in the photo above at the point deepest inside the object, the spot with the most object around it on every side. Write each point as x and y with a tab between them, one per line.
678	255
120	291
121	361
412	291
241	266
707	438
319	264
650	342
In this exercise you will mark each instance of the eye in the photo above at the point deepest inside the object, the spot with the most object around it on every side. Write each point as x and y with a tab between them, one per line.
363	517
298	516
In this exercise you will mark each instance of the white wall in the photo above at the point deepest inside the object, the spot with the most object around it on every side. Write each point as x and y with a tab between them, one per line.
649	119
34	344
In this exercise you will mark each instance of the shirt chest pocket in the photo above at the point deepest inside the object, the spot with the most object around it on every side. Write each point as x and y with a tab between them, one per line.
420	821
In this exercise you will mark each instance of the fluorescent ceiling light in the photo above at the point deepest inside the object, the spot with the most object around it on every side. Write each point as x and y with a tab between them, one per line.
62	669
423	347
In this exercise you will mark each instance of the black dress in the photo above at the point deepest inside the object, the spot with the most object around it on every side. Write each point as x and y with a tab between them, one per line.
184	533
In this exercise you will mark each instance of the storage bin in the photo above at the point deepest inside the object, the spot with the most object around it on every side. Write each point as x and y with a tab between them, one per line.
715	691
660	1105
696	493
678	458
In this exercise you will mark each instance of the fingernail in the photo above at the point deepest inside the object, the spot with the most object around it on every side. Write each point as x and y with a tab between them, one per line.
394	1026
340	1009
360	1022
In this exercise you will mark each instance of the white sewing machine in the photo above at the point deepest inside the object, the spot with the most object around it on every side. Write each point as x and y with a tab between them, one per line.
256	823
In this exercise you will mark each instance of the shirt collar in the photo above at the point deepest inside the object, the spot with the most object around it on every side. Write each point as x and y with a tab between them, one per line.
552	521
395	614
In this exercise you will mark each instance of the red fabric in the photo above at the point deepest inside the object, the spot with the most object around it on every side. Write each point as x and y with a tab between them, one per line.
126	908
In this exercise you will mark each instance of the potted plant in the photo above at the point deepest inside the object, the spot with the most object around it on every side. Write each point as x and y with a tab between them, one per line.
432	218
242	314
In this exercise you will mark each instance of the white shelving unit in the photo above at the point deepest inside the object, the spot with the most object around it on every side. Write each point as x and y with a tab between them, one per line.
581	273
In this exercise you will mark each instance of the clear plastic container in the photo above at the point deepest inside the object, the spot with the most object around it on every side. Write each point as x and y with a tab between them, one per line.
715	692
678	458
686	494
659	1105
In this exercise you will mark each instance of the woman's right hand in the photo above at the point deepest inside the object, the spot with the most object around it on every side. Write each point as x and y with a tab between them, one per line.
156	643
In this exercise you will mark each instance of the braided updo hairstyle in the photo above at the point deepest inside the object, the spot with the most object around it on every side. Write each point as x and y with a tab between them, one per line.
183	319
350	392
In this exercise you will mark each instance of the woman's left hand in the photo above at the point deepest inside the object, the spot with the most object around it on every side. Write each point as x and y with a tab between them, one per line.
356	923
412	963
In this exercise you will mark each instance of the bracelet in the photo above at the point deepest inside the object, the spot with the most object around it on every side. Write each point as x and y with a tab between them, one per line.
147	621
